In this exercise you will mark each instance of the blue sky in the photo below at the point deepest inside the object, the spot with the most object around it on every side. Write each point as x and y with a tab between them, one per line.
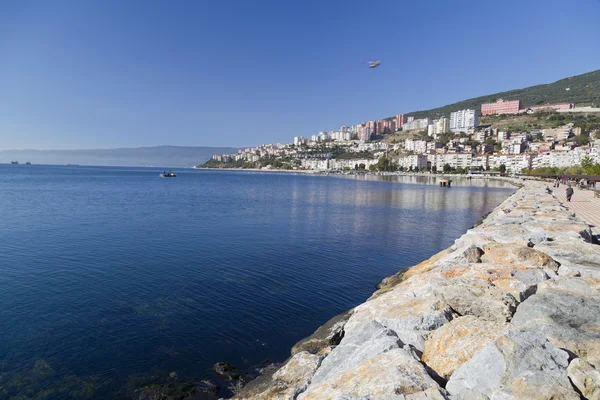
100	74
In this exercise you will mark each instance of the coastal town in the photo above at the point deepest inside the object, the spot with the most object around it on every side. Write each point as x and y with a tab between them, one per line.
502	136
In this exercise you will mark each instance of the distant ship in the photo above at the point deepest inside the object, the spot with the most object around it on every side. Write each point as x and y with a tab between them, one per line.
28	163
14	162
165	174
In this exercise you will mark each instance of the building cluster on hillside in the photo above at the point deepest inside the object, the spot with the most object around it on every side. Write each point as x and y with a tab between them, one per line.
467	146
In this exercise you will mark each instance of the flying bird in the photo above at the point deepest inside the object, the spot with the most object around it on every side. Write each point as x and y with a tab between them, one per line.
373	64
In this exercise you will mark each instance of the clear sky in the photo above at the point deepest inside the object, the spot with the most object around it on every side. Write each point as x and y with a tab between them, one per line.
128	73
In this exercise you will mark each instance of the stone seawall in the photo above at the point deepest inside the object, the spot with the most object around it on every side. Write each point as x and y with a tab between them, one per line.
510	311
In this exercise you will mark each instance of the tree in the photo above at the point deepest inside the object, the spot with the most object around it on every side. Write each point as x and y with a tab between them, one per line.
416	169
447	168
590	167
383	164
539	137
372	167
434	169
362	166
502	168
582	140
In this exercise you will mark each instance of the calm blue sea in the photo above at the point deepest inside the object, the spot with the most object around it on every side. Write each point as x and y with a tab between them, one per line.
110	277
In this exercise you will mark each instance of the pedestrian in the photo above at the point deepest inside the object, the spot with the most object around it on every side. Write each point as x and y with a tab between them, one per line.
569	193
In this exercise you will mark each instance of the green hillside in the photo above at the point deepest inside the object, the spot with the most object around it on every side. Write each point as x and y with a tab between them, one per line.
583	88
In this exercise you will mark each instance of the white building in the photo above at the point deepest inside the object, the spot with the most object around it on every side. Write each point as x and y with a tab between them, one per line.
413	161
416	146
299	140
454	160
464	120
416	124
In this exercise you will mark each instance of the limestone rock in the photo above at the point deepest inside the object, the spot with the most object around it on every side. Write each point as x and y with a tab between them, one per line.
469	296
505	253
394	374
518	365
450	346
329	334
285	383
410	310
586	378
569	319
362	343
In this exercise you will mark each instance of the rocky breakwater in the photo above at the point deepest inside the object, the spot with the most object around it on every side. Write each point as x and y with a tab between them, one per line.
510	311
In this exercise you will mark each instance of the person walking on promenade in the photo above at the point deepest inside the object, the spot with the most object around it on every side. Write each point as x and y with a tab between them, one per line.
569	193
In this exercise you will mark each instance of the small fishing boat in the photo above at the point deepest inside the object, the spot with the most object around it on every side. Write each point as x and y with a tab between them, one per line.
28	162
170	174
14	162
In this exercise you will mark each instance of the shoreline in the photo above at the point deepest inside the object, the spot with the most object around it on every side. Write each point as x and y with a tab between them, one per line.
323	363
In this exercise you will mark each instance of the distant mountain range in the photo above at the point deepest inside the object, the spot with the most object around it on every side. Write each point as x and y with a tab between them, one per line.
159	156
583	88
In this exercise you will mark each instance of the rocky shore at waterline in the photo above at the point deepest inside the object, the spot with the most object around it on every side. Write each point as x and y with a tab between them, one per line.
510	311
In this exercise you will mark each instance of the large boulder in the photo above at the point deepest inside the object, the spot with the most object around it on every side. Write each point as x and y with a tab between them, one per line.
410	310
469	296
362	343
567	312
285	383
514	254
395	374
518	365
586	378
329	334
455	343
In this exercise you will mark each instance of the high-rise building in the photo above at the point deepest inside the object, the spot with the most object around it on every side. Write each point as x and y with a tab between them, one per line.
400	120
464	120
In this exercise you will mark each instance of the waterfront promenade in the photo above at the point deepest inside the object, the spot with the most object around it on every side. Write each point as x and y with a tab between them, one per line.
584	204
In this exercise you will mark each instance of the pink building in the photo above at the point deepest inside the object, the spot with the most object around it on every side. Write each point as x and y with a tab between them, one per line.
501	107
400	120
550	107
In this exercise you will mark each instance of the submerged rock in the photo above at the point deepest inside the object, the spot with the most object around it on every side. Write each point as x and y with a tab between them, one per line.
329	334
228	371
178	391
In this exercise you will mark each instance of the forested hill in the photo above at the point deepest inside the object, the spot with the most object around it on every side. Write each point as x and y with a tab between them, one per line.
583	88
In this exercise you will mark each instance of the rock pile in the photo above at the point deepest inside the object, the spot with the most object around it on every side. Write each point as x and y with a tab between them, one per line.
510	311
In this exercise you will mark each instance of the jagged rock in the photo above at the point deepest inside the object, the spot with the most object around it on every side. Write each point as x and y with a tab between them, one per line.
567	315
520	281
473	254
513	254
329	334
450	346
518	365
469	296
364	342
586	378
392	375
410	310
573	253
285	383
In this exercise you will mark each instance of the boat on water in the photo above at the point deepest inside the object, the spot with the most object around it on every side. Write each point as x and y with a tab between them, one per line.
28	162
14	162
169	174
